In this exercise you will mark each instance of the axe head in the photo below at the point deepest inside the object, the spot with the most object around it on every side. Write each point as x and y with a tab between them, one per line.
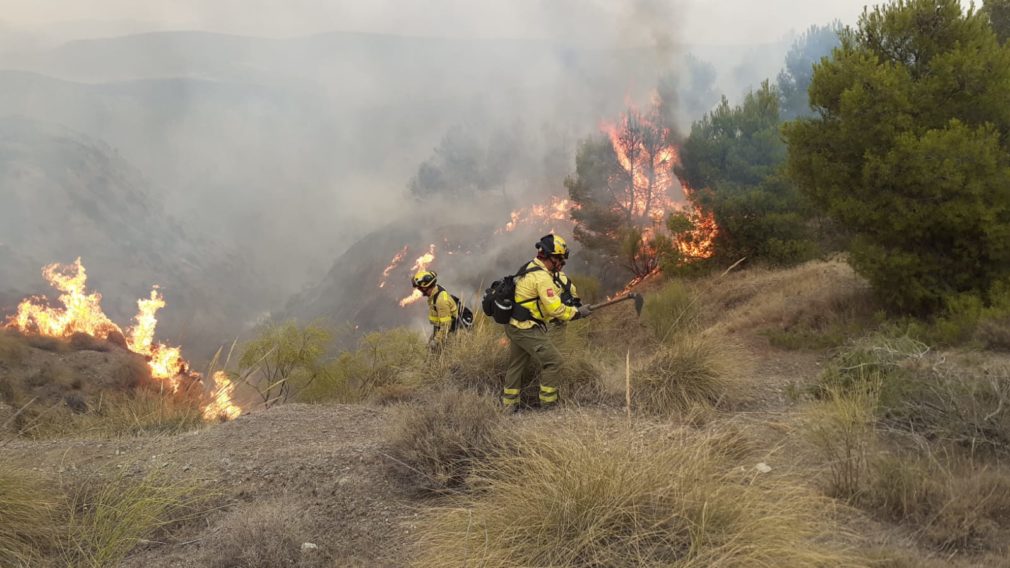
639	302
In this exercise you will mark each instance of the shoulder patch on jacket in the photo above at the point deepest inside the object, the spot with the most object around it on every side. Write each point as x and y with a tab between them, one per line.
550	292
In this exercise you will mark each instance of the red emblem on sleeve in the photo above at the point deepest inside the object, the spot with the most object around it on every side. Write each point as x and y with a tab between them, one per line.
550	292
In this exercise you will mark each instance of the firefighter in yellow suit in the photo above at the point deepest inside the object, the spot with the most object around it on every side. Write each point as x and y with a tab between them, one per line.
537	303
442	309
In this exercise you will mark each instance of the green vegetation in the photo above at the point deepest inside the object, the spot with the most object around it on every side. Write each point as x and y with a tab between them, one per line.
908	151
733	160
283	359
998	12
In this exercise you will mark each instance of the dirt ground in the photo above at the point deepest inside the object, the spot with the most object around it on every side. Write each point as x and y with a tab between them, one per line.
327	459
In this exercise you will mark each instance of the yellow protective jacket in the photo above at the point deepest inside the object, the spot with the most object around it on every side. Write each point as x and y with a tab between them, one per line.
539	293
442	310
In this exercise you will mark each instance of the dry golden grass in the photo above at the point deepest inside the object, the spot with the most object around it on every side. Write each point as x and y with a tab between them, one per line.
435	442
672	310
474	359
142	411
28	517
954	505
266	534
688	370
842	429
814	299
108	516
585	496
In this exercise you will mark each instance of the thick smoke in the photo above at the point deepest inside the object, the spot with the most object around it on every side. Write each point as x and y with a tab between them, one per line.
268	154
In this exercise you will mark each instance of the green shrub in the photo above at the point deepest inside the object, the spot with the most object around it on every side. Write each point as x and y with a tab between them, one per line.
476	359
874	358
582	495
382	360
284	359
914	170
671	310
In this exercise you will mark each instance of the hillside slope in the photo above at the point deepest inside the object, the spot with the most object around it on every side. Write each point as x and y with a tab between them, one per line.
66	195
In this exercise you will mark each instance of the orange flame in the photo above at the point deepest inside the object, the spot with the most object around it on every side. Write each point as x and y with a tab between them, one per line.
397	259
557	209
641	145
82	313
421	263
221	406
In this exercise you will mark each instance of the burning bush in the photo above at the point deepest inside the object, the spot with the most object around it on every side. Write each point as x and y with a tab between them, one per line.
437	441
689	370
582	495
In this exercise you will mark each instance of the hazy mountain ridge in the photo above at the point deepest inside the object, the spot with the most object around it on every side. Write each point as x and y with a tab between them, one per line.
67	195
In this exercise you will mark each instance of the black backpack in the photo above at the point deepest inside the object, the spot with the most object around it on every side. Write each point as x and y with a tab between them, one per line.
465	318
499	299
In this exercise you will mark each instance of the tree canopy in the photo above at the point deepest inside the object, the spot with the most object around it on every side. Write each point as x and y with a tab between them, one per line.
909	150
794	79
732	161
621	187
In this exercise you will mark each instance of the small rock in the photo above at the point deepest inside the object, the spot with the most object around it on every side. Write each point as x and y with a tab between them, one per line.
306	546
763	467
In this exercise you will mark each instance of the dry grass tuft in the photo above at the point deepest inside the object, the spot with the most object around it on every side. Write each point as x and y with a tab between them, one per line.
13	348
688	370
582	496
107	518
815	305
842	429
671	310
475	359
27	518
265	534
959	505
437	441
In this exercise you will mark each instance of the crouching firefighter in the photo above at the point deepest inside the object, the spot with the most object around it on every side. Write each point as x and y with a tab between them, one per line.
443	310
537	303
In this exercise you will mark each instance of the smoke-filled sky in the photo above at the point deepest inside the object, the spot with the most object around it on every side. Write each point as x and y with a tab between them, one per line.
582	21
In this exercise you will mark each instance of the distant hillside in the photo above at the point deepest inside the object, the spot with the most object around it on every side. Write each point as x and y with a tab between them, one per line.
65	195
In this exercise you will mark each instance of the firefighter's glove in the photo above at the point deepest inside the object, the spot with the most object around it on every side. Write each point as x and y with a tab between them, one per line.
584	311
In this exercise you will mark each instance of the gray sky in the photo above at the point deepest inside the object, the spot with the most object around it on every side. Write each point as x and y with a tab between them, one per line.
698	21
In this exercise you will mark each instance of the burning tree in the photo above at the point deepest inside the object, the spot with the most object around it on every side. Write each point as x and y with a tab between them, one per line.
622	191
